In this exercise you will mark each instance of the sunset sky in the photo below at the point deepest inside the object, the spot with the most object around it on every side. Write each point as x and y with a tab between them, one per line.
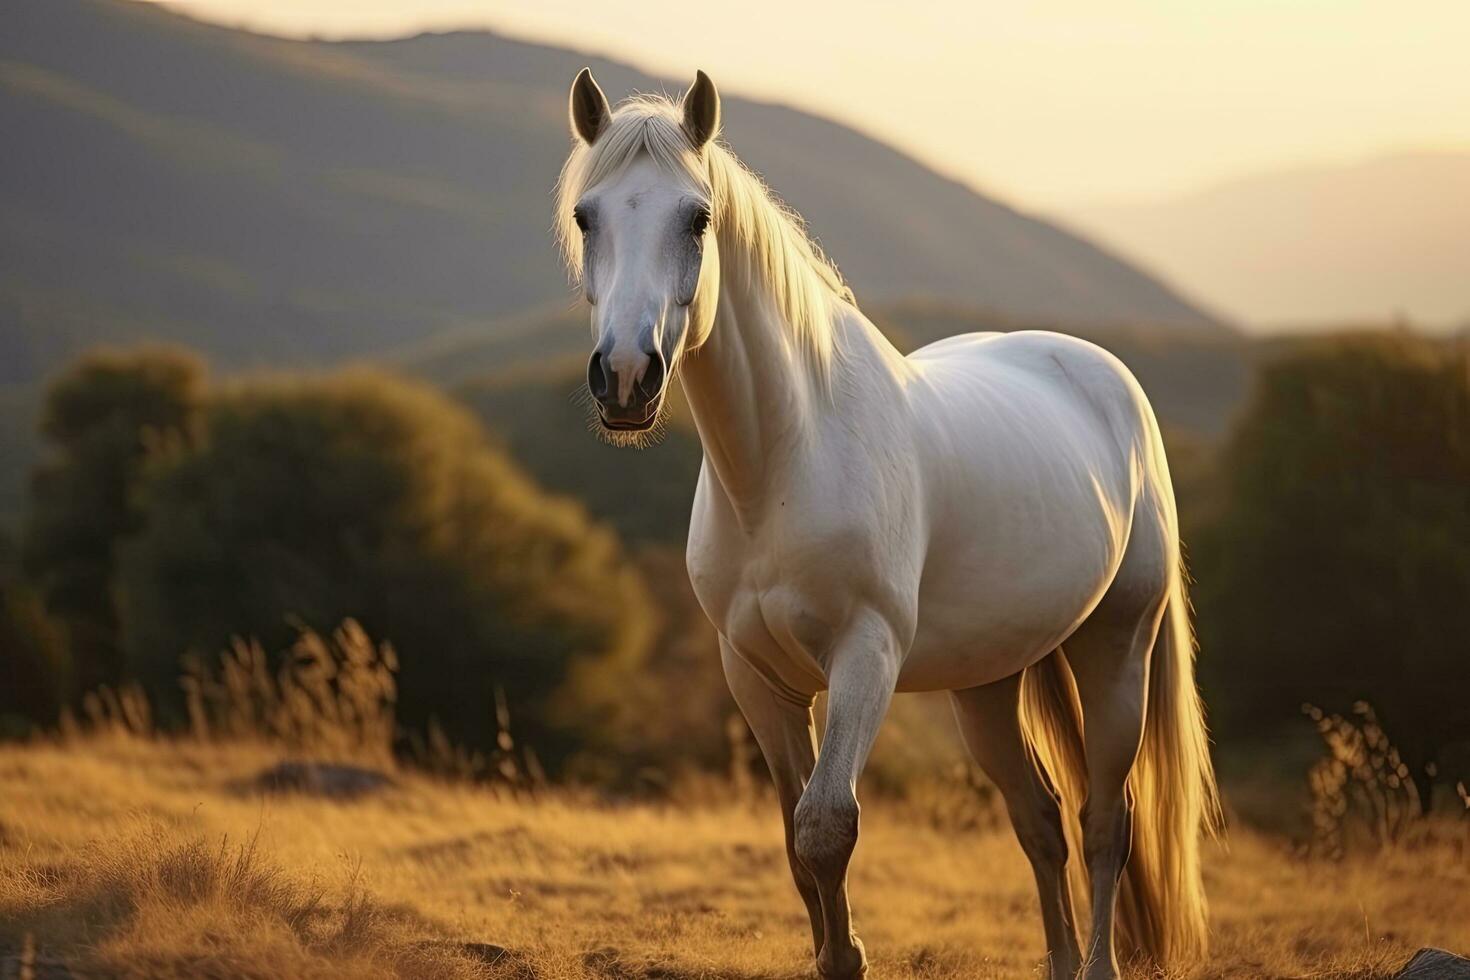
1049	104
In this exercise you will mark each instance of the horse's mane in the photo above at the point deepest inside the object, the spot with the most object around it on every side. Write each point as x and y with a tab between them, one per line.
803	282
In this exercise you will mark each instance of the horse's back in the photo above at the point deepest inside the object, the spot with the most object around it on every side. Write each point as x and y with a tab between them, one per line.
1038	354
1049	389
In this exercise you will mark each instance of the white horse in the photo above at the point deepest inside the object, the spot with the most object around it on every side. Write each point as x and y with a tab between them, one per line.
867	523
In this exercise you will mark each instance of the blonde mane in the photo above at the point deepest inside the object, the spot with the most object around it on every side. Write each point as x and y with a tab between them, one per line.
744	214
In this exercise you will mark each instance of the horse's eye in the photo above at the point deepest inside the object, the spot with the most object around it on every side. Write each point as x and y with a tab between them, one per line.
699	221
580	217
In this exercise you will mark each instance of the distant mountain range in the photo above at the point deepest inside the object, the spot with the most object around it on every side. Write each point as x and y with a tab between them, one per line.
283	202
1383	240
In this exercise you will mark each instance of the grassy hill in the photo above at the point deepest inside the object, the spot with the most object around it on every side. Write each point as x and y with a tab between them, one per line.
273	201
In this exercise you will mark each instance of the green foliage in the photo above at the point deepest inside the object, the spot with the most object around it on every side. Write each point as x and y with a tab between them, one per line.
102	418
312	501
647	495
1336	568
20	442
34	670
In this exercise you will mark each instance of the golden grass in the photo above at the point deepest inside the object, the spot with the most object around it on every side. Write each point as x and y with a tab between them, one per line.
133	857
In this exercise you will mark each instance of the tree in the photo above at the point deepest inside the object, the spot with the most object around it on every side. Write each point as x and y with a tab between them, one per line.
102	419
1337	568
34	672
360	495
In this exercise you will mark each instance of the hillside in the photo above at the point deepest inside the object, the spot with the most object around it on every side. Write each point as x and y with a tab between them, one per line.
273	201
140	858
1382	239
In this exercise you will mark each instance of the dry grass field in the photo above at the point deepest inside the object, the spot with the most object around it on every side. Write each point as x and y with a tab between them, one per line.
132	857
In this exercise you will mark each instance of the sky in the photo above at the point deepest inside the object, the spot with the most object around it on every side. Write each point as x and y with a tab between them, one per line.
1049	104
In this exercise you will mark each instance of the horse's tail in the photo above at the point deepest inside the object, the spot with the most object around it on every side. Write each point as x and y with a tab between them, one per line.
1161	905
1051	721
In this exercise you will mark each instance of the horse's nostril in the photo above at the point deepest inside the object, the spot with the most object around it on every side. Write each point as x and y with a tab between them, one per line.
653	377
597	380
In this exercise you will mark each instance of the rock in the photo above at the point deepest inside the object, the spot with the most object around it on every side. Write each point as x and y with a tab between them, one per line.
35	968
504	964
487	952
1435	964
328	779
27	964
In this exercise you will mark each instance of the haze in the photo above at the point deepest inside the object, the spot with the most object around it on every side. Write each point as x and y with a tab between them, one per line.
1047	104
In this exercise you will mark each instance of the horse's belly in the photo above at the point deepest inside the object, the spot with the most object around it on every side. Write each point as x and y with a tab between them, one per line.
1032	514
947	657
982	619
986	643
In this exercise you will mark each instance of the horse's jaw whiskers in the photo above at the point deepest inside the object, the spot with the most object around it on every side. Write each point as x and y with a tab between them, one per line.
644	438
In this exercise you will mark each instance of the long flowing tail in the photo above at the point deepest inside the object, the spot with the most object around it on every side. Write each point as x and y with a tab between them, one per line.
1161	904
1051	721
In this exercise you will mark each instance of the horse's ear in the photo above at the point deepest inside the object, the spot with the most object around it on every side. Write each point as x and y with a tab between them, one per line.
588	107
701	110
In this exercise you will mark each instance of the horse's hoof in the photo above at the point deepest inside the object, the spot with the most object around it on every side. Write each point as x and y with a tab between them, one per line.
849	962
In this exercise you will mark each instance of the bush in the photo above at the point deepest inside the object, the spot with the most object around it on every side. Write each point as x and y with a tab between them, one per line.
1336	569
102	419
359	496
544	426
34	670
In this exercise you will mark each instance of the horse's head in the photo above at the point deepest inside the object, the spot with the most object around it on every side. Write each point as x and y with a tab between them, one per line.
636	223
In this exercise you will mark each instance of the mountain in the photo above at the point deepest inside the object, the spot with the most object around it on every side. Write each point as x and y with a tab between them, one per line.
273	201
1385	239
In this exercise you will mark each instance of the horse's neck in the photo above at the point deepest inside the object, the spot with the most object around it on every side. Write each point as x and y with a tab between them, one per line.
748	390
754	397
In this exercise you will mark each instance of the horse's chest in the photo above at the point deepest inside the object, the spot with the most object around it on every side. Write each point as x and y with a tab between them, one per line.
779	598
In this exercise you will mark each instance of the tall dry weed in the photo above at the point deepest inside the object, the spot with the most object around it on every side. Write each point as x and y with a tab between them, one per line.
332	697
121	711
1363	796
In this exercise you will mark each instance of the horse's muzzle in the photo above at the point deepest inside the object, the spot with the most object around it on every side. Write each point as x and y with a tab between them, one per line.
620	423
646	395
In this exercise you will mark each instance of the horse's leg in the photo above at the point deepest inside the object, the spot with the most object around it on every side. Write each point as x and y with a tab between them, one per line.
860	683
1109	656
784	730
991	726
